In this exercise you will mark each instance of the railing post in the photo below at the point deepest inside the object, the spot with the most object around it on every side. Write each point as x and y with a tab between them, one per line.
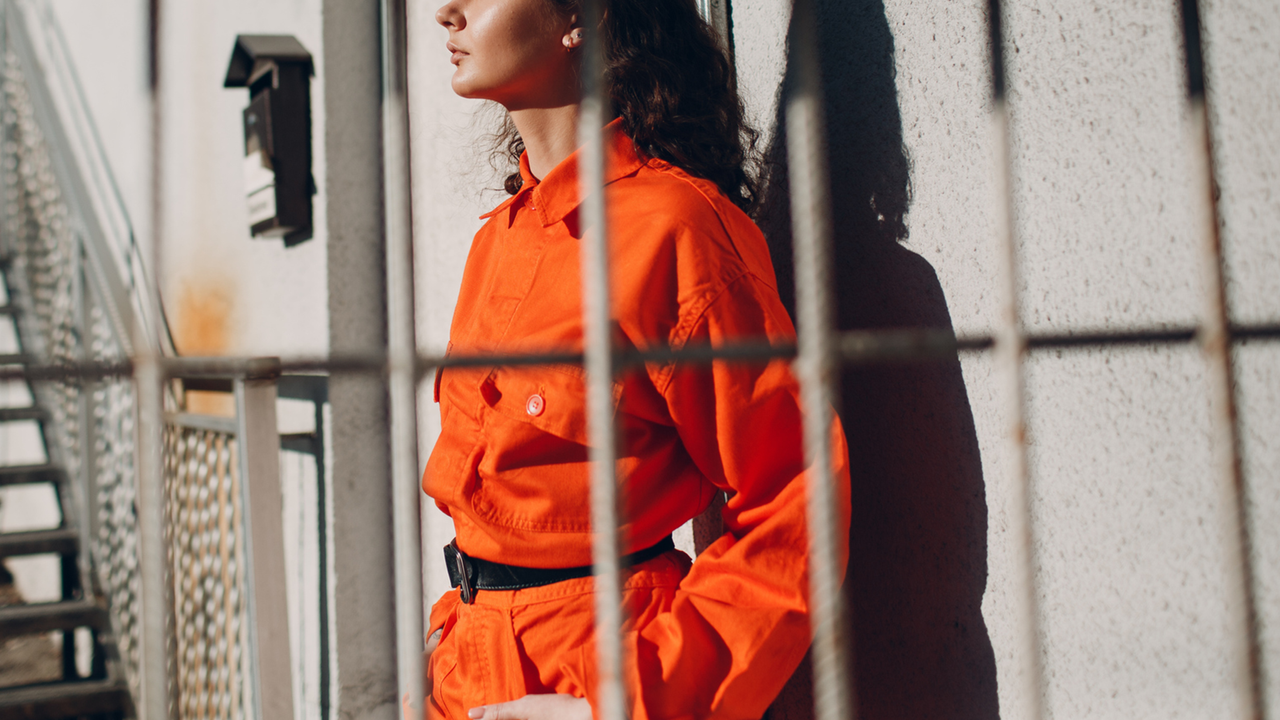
406	497
598	351
159	653
258	453
811	230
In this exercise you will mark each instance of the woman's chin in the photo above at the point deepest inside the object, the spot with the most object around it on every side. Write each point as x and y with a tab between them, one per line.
464	88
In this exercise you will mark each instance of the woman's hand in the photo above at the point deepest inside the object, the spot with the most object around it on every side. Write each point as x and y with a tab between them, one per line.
535	707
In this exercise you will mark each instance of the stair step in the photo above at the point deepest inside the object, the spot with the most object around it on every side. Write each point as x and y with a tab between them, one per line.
44	617
9	310
15	359
24	474
62	541
14	414
62	700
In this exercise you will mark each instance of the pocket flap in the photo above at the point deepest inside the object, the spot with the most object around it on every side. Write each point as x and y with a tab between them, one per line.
551	398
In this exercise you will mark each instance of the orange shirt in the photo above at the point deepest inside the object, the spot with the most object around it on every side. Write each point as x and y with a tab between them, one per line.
510	467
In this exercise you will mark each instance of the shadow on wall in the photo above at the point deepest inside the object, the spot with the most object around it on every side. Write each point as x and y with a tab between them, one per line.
918	543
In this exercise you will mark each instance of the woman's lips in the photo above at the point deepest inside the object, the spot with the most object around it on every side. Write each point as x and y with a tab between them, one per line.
455	53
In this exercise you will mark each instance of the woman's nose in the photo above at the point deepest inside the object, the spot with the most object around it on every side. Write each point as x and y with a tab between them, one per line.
450	16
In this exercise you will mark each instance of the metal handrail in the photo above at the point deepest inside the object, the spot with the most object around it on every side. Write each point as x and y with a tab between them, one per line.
91	191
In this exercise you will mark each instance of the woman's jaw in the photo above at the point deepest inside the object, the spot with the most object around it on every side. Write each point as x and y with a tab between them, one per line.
518	53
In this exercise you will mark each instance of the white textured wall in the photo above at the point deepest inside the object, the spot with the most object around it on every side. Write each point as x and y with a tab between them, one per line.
1129	555
450	175
224	292
274	299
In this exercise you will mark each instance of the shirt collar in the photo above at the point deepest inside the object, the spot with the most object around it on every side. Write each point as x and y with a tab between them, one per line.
559	194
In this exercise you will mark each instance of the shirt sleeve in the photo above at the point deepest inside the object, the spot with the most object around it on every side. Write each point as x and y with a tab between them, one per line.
739	623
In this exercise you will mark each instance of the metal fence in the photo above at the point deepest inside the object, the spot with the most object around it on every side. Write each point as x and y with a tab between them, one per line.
820	352
77	278
66	320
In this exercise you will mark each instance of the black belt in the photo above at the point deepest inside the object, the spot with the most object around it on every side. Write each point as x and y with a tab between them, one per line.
473	574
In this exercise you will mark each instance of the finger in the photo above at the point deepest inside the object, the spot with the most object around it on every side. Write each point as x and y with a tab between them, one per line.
514	710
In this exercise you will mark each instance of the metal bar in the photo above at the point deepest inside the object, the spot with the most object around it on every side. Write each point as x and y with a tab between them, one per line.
815	369
1010	348
8	225
851	348
159	653
402	356
322	551
1240	578
258	453
598	361
716	13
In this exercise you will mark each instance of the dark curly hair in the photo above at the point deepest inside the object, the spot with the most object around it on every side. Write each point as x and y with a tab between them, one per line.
670	81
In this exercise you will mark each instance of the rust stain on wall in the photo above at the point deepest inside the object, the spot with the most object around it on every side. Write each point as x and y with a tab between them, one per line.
202	327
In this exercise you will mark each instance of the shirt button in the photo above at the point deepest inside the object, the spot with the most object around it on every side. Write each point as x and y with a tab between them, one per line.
535	405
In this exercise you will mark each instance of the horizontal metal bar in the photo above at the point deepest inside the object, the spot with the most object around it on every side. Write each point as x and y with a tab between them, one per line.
217	385
305	443
304	387
852	348
18	414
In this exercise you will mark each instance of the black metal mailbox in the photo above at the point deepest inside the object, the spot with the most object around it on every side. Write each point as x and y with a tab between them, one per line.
278	183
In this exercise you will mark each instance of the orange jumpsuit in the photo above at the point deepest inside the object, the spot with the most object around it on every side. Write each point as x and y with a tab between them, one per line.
715	639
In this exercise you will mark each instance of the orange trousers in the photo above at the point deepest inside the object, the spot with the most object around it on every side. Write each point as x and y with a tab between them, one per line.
511	643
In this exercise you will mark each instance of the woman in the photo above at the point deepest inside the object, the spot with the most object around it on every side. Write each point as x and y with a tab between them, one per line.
715	638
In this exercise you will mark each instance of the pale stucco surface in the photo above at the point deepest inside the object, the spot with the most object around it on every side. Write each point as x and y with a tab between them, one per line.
263	298
1128	552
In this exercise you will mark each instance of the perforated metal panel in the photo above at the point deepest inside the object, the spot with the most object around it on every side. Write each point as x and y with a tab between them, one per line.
207	545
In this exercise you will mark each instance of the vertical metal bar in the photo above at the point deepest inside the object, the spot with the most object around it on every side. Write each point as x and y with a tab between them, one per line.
598	352
811	231
7	225
259	457
401	352
716	13
88	448
1010	352
322	552
158	640
1240	579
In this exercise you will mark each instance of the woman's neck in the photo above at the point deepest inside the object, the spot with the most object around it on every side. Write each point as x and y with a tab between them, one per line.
550	135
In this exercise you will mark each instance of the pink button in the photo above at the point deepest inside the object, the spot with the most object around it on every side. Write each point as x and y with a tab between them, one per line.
535	405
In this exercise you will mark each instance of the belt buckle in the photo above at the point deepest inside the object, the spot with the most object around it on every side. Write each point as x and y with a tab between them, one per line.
464	571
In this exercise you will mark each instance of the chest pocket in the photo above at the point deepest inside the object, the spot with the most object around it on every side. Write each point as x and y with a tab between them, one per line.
533	473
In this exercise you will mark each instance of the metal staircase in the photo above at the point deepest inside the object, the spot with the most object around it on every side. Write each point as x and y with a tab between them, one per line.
95	694
69	292
99	693
74	308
